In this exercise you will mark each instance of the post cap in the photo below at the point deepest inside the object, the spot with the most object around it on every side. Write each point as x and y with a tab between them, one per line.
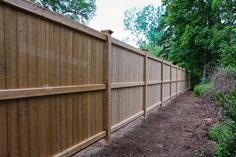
108	31
144	49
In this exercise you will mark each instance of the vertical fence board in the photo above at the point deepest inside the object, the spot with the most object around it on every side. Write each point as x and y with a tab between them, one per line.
33	82
49	79
69	81
162	81
74	82
41	68
22	34
63	66
3	107
56	82
11	81
145	72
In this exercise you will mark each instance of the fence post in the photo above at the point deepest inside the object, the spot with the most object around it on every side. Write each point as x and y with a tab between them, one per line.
145	70
170	81
108	76
162	65
189	79
177	80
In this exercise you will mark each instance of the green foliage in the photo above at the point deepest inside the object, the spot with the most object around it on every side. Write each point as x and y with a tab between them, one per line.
227	46
203	89
143	24
201	34
154	50
228	104
225	134
78	10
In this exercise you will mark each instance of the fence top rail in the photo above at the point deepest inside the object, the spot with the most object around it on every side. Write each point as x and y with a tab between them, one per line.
29	7
141	52
155	58
126	46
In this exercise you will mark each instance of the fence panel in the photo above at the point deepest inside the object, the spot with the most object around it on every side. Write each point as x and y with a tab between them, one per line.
174	81
43	58
127	84
166	81
64	86
154	82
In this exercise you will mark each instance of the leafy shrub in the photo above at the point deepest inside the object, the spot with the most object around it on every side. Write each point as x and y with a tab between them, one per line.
225	134
228	104
203	89
225	137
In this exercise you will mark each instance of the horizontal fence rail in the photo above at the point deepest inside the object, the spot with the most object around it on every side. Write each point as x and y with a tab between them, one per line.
64	86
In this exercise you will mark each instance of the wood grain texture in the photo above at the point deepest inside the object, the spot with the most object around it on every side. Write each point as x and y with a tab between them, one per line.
3	105
22	34
31	8
107	78
145	78
11	80
64	86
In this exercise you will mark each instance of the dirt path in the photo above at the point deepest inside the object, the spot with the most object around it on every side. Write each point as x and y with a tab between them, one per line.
178	129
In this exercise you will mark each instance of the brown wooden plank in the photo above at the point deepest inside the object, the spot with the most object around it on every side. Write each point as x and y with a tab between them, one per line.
74	82
89	80
3	107
145	72
107	118
49	80
154	82
72	150
170	81
33	82
127	84
162	82
3	130
126	121
177	79
69	81
11	81
80	127
2	45
44	91
22	22
126	46
154	58
64	62
56	82
42	103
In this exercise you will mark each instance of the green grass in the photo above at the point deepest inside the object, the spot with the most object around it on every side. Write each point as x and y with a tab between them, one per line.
203	88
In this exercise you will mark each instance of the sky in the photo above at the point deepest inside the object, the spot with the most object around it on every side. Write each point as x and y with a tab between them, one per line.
110	15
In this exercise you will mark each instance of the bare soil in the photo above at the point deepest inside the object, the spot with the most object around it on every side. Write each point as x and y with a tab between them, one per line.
178	129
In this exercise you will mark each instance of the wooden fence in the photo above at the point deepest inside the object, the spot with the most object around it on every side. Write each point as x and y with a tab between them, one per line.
64	86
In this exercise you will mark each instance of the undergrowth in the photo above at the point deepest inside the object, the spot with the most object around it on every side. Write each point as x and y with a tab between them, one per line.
203	89
219	96
224	134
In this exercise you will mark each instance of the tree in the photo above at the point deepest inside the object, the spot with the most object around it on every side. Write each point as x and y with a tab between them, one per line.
143	24
195	42
78	10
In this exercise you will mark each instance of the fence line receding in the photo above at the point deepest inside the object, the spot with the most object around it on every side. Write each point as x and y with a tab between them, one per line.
64	86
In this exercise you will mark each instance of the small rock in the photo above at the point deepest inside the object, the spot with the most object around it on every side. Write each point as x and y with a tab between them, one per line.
208	121
187	146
